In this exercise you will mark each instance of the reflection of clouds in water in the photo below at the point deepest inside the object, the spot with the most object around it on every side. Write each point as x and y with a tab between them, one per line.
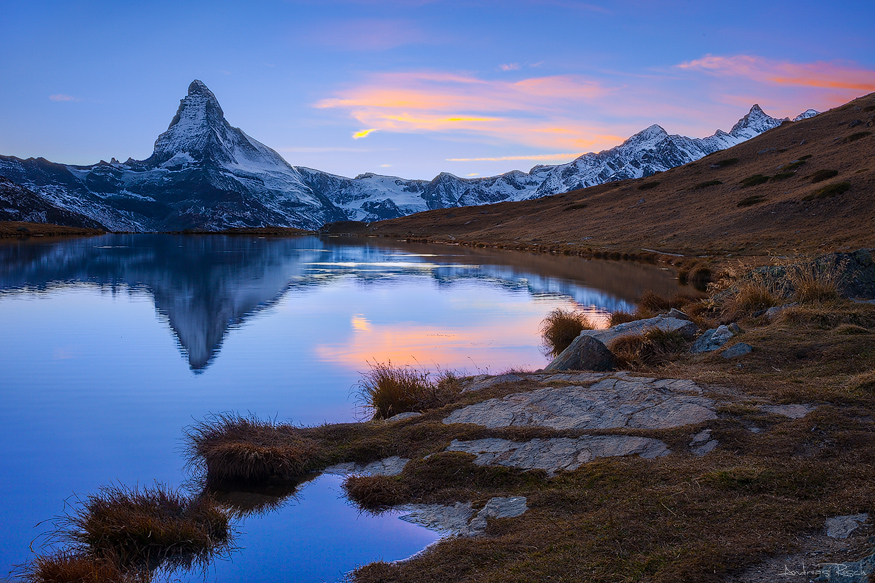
206	285
359	322
453	346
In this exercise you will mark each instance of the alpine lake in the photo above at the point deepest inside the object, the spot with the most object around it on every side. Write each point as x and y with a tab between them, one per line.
111	346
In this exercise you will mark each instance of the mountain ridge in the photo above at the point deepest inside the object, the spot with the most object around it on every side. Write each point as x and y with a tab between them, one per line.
205	174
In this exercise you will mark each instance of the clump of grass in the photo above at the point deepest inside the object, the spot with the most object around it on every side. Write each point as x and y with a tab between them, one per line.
850	330
726	162
754	295
576	206
388	390
236	449
621	317
822	175
148	528
649	185
783	176
754	180
829	191
699	275
706	184
863	383
560	328
857	136
652	347
751	200
652	303
375	493
795	164
70	567
812	283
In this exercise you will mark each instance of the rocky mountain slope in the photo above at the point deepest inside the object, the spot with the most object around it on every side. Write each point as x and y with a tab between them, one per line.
205	174
20	204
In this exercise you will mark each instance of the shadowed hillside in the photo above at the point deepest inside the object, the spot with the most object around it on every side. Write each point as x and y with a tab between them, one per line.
802	187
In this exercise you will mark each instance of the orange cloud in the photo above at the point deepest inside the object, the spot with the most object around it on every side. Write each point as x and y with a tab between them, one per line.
535	111
362	134
821	74
569	156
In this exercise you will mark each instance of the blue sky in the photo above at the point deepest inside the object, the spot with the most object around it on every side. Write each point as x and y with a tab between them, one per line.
415	87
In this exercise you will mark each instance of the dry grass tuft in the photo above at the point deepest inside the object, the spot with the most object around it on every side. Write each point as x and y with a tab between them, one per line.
652	303
388	390
815	284
850	330
375	493
236	449
560	328
863	383
148	528
68	567
650	348
621	317
822	175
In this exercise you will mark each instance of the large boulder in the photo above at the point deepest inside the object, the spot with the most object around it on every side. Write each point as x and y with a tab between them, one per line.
584	353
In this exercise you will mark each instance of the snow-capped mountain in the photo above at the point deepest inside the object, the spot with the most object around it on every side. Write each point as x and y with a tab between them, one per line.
20	204
206	174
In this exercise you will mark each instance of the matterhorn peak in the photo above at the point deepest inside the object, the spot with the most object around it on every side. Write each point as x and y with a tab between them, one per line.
195	127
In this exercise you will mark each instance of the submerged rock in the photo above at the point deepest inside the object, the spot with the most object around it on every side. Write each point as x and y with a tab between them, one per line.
555	454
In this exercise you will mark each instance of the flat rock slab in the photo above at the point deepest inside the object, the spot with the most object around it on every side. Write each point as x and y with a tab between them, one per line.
509	507
795	411
446	520
390	466
484	381
559	453
843	526
631	402
457	520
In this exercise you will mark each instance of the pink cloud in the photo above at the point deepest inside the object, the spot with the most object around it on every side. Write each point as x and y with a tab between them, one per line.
534	111
820	74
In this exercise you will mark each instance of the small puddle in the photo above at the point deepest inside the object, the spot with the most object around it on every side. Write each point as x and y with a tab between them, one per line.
323	535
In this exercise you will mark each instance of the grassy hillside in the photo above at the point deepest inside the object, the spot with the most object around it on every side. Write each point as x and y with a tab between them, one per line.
804	187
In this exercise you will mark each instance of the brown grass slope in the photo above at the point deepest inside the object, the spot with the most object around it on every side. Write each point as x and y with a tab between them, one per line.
773	199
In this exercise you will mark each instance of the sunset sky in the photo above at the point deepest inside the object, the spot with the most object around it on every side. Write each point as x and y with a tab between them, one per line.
414	87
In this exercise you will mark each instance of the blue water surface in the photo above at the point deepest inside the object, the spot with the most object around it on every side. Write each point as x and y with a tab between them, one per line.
111	346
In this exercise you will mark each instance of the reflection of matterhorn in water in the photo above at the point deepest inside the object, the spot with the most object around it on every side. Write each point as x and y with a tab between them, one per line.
204	285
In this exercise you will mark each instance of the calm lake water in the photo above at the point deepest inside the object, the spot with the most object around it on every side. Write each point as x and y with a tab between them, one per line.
111	346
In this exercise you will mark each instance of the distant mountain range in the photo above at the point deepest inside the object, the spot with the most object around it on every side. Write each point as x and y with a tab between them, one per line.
205	174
